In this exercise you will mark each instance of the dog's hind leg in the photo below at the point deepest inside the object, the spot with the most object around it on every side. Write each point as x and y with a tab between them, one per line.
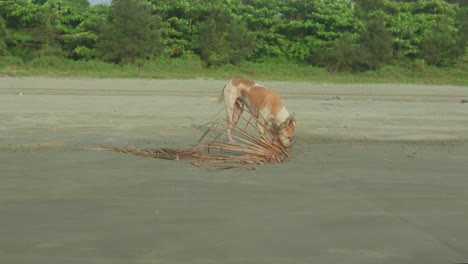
230	100
233	117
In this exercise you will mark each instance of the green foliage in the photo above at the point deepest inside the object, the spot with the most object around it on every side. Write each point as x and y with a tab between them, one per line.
263	19
411	22
179	23
340	35
307	25
190	68
131	34
223	38
345	55
462	17
18	14
47	33
19	19
79	42
3	37
439	47
376	40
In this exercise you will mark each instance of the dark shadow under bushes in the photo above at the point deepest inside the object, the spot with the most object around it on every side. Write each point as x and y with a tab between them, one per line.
368	50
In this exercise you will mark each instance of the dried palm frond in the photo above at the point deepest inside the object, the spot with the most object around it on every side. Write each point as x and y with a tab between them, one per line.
251	146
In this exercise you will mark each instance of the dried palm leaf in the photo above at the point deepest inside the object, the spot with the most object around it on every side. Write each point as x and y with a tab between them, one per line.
251	146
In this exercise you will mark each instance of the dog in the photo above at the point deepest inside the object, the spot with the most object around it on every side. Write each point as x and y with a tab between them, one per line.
260	100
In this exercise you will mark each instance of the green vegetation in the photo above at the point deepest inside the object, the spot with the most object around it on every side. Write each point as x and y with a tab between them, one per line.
313	40
192	68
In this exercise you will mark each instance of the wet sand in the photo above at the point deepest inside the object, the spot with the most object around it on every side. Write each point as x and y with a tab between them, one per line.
378	174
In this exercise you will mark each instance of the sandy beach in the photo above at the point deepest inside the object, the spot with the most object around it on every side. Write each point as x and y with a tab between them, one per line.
378	174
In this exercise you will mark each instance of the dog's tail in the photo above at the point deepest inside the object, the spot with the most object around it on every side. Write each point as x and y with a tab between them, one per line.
218	100
214	100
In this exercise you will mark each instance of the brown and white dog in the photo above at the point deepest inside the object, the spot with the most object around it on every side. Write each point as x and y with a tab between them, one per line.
259	99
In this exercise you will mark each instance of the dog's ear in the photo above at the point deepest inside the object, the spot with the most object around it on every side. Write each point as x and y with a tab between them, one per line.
292	122
289	122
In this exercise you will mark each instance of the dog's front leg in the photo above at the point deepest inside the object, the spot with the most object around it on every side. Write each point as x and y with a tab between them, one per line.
261	130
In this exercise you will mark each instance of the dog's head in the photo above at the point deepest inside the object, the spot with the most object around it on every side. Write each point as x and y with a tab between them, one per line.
286	131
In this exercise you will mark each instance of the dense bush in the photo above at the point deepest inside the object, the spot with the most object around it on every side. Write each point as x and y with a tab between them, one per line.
3	36
131	33
439	47
223	39
341	35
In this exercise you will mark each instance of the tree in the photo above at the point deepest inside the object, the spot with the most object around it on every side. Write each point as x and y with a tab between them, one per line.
349	35
368	6
179	24
47	33
411	22
439	47
376	40
463	21
80	39
3	37
461	3
309	25
223	38
345	55
263	19
19	19
132	33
